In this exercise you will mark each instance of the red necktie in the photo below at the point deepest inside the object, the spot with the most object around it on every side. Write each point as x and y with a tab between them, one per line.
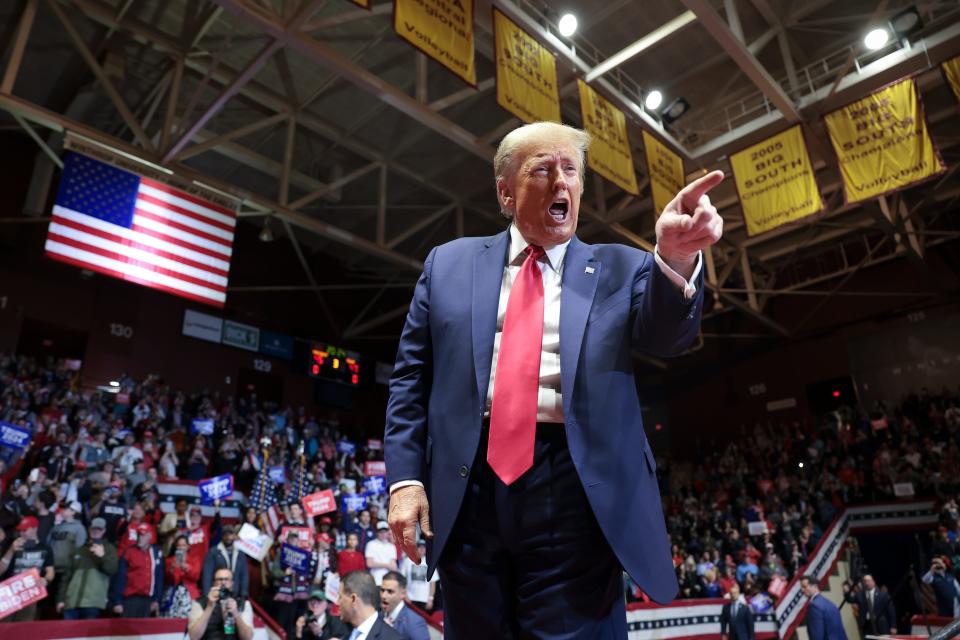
513	414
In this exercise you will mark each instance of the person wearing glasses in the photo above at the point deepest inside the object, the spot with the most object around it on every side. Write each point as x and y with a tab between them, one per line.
220	614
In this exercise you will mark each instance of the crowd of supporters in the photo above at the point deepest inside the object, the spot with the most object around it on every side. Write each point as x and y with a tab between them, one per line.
82	504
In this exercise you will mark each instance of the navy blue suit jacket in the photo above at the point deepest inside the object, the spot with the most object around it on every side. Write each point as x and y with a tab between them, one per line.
823	620
614	300
411	626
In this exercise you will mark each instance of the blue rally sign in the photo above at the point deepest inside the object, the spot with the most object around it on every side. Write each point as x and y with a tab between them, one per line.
14	437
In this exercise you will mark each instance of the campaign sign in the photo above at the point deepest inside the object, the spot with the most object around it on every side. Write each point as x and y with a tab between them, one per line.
346	447
304	535
375	468
374	445
202	426
331	589
756	528
277	474
293	558
253	542
375	485
216	488
354	502
14	437
20	591
319	503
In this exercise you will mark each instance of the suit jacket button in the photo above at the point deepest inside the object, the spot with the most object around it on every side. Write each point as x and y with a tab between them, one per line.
464	471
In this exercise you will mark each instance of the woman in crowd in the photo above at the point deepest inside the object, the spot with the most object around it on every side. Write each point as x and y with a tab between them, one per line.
181	580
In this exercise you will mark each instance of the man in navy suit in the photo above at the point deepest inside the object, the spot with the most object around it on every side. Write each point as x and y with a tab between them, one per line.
513	430
823	617
876	613
736	618
396	613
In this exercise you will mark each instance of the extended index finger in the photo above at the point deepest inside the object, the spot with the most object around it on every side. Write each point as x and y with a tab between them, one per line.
690	195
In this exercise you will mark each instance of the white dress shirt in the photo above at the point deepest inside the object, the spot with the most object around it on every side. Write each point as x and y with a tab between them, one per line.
391	617
550	398
365	627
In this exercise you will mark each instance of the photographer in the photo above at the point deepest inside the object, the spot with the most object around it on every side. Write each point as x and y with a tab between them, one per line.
86	576
218	614
319	624
945	588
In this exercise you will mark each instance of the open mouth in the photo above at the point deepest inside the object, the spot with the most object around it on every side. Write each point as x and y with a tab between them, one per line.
558	210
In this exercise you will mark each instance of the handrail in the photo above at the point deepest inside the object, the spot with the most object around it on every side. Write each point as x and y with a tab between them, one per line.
947	632
272	624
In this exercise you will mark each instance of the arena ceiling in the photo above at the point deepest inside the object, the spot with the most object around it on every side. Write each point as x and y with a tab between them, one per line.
359	153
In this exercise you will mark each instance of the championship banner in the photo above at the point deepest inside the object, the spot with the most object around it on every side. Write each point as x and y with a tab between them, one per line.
442	29
666	172
216	488
526	73
361	3
20	591
319	503
776	182
951	69
882	142
609	153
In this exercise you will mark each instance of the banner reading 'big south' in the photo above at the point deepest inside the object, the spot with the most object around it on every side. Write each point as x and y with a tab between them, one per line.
775	181
442	29
882	142
666	172
609	153
951	69
526	73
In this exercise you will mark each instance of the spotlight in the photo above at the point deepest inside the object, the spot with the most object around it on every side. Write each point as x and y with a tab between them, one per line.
674	110
266	234
567	25
653	100
800	465
906	22
114	383
876	39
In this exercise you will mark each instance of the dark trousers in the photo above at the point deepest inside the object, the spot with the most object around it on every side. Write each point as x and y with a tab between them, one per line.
529	560
82	613
136	607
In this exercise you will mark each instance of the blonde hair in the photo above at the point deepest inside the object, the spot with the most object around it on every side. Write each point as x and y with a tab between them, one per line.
504	162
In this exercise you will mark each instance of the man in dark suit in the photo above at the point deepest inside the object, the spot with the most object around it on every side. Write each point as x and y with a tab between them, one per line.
513	408
736	618
876	614
396	613
823	617
360	608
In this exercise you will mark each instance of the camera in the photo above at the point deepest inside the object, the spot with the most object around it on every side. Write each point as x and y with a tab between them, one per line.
311	618
225	593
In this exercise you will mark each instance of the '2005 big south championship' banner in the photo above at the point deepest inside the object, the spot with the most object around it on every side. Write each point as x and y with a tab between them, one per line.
666	172
442	29
775	181
526	73
951	69
882	142
609	153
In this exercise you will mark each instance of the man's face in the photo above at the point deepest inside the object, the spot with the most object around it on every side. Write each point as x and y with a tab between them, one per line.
30	534
383	534
352	541
181	506
348	603
364	518
869	583
390	594
228	538
96	533
544	191
317	607
223	579
144	539
807	588
734	592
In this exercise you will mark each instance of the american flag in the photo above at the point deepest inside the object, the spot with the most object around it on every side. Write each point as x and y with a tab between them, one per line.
123	225
263	497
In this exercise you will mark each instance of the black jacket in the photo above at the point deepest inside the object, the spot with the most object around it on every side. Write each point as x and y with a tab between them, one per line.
881	619
741	627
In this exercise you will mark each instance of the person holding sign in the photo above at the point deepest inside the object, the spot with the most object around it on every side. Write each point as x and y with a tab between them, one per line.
513	399
24	553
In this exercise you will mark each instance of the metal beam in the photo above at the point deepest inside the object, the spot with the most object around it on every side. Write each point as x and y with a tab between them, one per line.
311	278
422	224
383	318
40	141
361	78
381	232
737	50
333	186
733	18
19	46
632	50
288	149
232	134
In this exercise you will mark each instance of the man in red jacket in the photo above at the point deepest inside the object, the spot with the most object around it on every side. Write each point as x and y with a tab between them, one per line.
139	582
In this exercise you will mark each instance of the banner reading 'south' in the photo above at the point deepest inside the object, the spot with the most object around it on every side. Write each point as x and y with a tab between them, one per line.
609	153
882	142
526	73
442	29
666	172
951	69
775	181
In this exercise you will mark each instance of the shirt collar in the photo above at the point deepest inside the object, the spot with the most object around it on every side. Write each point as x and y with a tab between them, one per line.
518	245
367	624
396	611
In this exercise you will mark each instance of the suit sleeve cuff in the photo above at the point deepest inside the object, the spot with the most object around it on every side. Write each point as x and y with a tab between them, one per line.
688	287
405	483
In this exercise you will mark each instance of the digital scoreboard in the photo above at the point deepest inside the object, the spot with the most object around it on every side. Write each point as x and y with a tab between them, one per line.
328	362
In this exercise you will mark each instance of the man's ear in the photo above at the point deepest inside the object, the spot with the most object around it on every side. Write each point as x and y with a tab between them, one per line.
505	194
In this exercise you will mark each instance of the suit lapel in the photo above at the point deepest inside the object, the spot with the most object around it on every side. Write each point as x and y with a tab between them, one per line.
581	272
488	267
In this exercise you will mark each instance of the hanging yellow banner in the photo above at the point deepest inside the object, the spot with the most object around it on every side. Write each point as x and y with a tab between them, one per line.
882	142
609	153
526	73
665	169
775	181
362	3
951	69
442	29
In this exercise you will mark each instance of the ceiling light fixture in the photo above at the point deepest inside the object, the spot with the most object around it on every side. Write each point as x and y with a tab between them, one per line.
653	100
674	110
906	22
266	234
876	39
567	25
